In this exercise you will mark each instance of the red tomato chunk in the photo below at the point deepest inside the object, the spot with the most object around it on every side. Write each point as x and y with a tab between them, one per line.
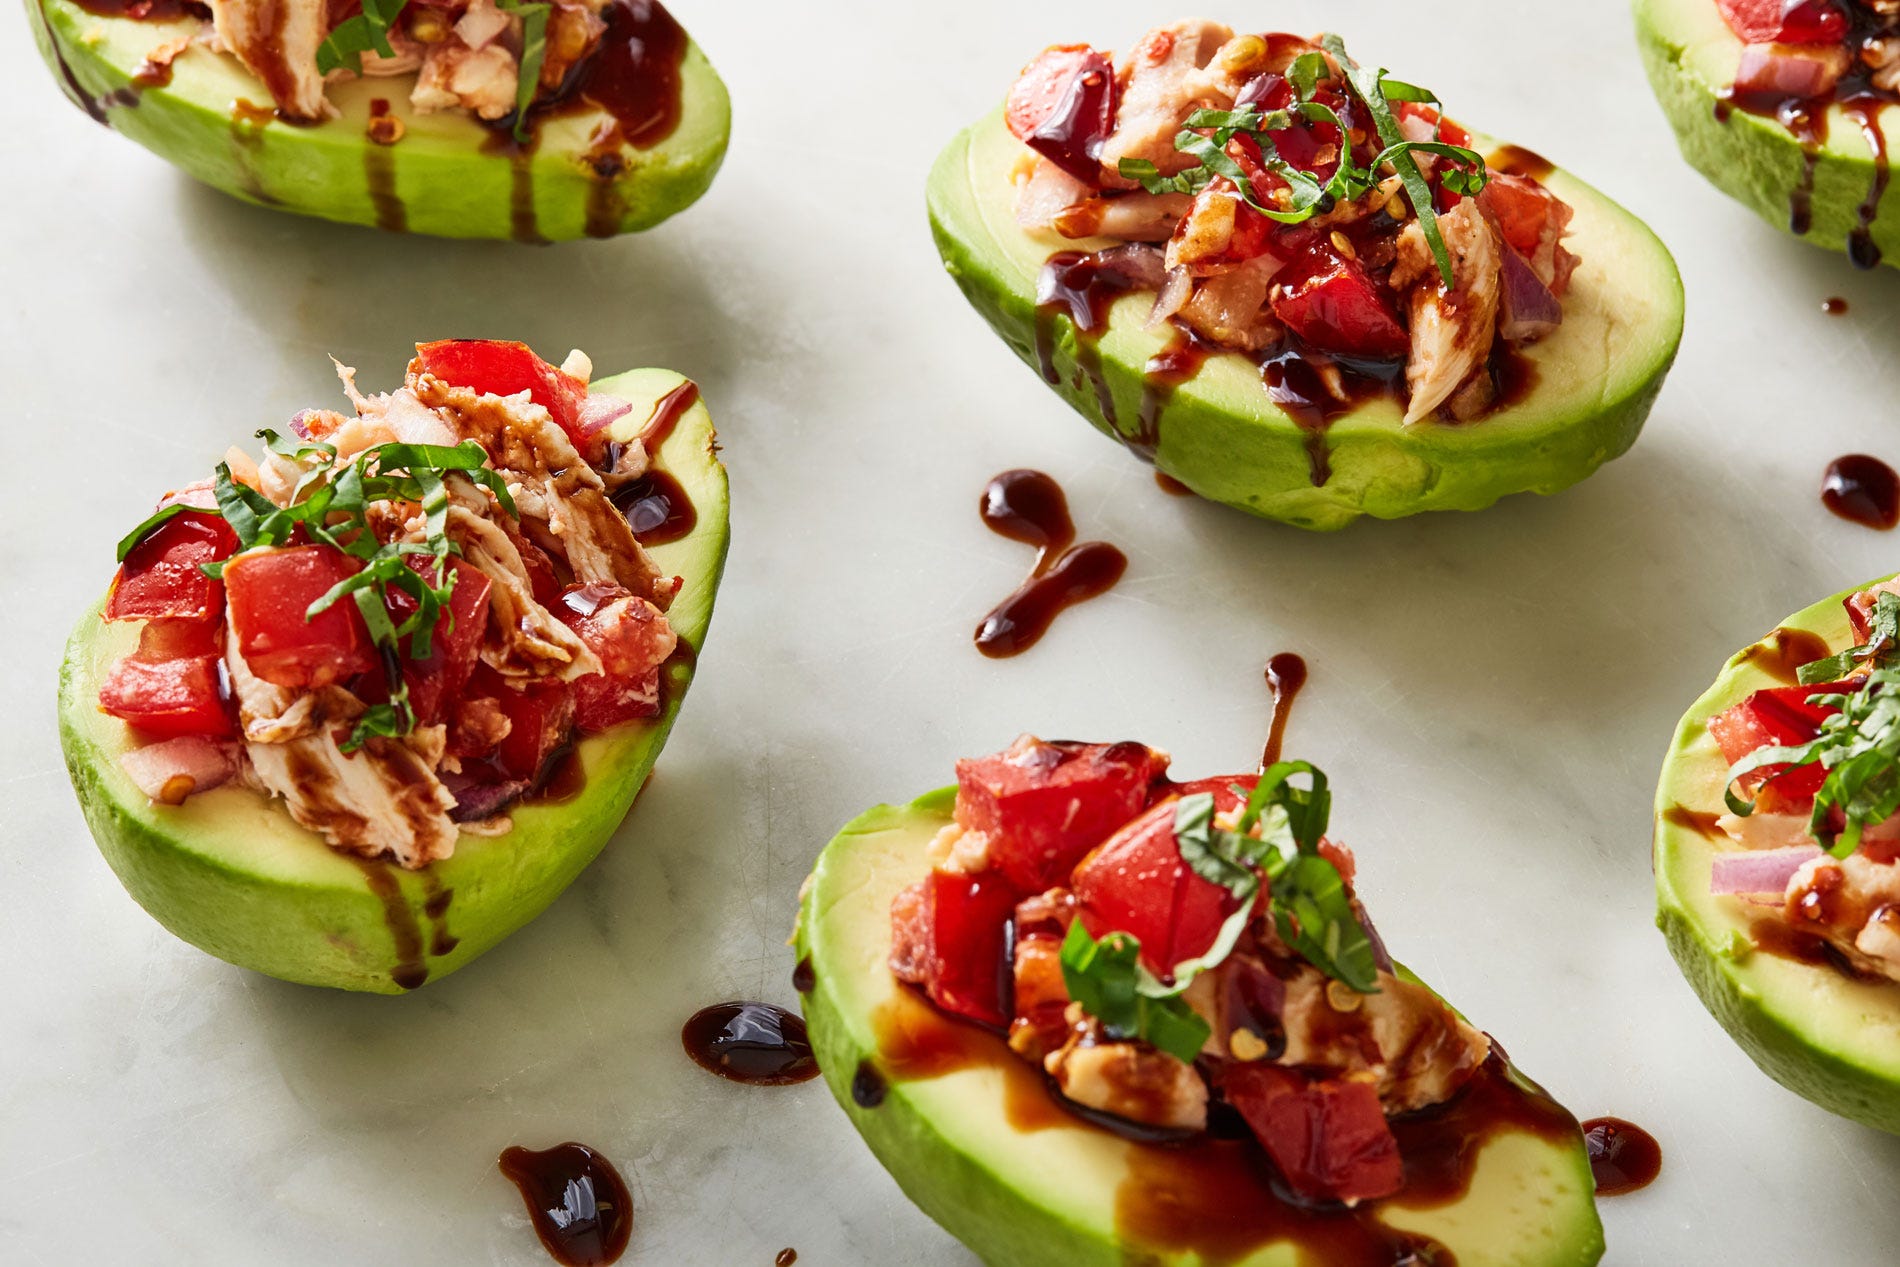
631	639
1328	1136
1137	883
1044	805
947	935
172	685
1785	21
1331	303
436	681
162	577
502	368
270	592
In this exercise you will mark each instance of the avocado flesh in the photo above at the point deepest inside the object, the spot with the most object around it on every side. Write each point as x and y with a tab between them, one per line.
1049	1195
231	873
1691	55
1220	434
1822	1035
448	175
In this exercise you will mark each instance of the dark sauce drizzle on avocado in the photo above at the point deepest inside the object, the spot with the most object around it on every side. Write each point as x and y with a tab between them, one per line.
1782	653
1623	1156
1310	387
1806	118
656	505
577	1201
1218	1197
633	77
1029	507
412	968
1863	490
759	1044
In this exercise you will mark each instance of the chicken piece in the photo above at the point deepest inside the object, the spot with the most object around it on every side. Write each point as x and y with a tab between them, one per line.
1136	217
1041	997
1452	330
574	31
1854	904
1161	84
562	500
524	639
481	80
277	41
1130	1080
1044	192
1231	308
1415	1047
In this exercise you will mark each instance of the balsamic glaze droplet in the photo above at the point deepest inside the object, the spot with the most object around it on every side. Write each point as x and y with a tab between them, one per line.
867	1086
1834	306
1286	674
1623	1156
804	976
1862	489
1030	507
577	1201
760	1044
785	1258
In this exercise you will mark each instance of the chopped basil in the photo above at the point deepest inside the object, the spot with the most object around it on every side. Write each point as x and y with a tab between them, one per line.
1206	134
329	506
366	32
534	49
131	539
1106	977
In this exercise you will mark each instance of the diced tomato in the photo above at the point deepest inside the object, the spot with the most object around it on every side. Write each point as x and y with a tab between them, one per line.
1043	805
162	577
1523	209
1063	107
1785	21
540	718
1778	716
1136	883
1327	1136
1448	132
270	592
1226	799
172	685
503	368
631	638
1335	306
541	578
947	935
437	680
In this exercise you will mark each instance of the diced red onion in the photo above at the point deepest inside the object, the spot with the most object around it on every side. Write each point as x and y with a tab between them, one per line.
1173	297
1140	264
300	424
173	769
1787	70
1759	870
602	411
1528	310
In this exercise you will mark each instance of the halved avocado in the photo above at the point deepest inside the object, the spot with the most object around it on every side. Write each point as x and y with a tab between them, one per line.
232	874
1814	1030
1595	377
1692	56
448	175
1047	1190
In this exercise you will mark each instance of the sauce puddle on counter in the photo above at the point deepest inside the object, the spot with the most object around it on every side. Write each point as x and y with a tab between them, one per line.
1030	507
1862	490
1623	1156
759	1044
577	1201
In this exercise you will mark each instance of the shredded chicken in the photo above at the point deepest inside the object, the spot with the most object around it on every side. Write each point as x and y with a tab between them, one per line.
277	41
1130	1080
1418	1050
1161	82
1452	330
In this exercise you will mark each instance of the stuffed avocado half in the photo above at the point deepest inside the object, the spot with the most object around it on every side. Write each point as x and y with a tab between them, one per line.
1782	107
1781	918
625	122
1034	1130
1302	348
335	832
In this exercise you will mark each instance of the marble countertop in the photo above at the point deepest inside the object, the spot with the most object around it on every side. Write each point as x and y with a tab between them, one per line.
1490	693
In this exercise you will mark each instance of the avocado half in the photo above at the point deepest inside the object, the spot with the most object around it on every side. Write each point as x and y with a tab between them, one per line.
1815	1031
449	175
1049	1194
1220	434
1691	56
232	874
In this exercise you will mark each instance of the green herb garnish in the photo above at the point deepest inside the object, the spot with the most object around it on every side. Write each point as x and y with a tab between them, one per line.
534	49
329	506
1106	977
1206	134
130	540
1306	897
1858	746
366	32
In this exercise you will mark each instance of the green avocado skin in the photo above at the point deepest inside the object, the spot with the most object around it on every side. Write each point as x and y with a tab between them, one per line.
1755	160
1017	1199
231	873
446	177
1220	434
1812	1030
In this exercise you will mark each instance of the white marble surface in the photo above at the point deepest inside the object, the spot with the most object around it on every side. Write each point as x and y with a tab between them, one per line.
1491	693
